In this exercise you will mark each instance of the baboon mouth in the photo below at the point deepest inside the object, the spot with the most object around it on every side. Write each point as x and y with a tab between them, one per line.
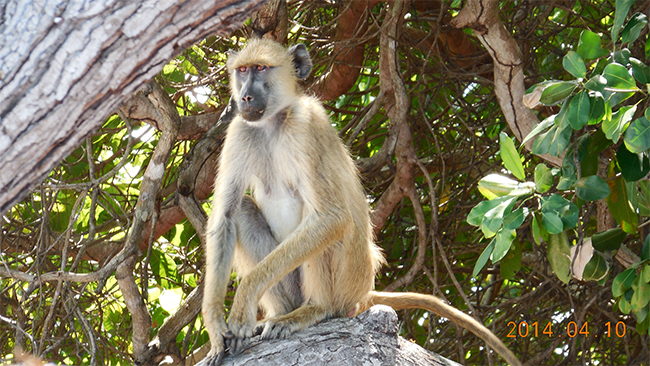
252	115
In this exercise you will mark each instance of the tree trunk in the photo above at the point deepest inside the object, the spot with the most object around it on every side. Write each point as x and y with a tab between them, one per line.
65	66
368	339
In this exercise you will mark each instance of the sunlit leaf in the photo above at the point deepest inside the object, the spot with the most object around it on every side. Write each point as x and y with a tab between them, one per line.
614	128
589	46
596	269
543	178
502	244
557	92
482	260
623	281
620	207
622	8
574	64
578	113
618	77
634	27
510	156
637	135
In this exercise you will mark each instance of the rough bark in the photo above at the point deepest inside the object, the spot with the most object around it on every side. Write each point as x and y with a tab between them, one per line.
66	65
368	339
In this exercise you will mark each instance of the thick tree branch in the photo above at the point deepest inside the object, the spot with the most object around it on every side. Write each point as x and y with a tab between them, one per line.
62	76
482	16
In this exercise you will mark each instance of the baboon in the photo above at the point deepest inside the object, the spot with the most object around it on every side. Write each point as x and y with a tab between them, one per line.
302	241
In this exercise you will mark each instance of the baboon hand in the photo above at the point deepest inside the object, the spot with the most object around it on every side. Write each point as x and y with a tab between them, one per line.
241	321
215	356
216	326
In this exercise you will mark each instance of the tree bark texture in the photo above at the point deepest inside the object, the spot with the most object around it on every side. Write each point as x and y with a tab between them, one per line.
368	339
66	65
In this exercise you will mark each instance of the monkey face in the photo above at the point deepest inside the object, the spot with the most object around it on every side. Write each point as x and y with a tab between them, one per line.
254	87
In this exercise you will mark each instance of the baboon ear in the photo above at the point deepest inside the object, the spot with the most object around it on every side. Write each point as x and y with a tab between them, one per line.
301	60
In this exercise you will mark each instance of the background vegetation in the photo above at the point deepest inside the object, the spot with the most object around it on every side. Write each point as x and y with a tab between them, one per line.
423	188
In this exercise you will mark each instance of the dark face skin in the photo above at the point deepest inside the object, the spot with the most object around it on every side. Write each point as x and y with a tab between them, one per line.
253	91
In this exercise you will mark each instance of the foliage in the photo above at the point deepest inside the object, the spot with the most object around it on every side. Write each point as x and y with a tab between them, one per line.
602	132
511	271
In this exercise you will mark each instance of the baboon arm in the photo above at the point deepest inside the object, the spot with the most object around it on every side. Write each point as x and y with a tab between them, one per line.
311	237
219	251
412	300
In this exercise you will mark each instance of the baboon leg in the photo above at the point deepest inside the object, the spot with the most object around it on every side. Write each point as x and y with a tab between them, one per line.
254	242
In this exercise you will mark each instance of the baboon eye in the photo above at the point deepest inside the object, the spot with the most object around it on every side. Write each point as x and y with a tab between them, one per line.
261	67
242	68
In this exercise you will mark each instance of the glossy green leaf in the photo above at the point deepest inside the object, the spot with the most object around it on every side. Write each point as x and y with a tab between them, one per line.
623	281
596	269
552	222
567	211
597	83
543	141
510	156
642	325
637	135
558	256
645	273
624	305
514	219
560	140
633	28
539	233
641	295
483	258
476	215
543	178
608	240
494	218
633	166
574	64
502	244
640	71
589	46
539	128
511	263
622	8
592	188
614	128
589	156
578	112
596	108
562	117
619	78
557	92
620	207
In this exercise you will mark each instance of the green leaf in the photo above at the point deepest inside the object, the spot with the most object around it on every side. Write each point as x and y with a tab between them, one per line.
634	27
540	127
552	222
614	128
597	83
589	46
543	178
494	218
514	219
641	295
642	325
543	141
558	256
589	156
592	188
640	71
578	113
620	207
608	240
482	260
644	197
557	92
575	65
623	282
502	244
539	233
596	108
596	268
645	273
562	118
511	263
624	305
560	141
477	213
619	78
622	7
637	135
567	211
496	185
510	156
633	166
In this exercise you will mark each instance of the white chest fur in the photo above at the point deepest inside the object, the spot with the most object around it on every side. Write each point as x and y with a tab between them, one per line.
280	204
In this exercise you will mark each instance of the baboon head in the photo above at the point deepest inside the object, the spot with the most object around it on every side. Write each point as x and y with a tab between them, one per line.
264	76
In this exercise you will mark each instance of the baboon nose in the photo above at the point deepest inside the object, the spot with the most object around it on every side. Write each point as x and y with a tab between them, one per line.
247	98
